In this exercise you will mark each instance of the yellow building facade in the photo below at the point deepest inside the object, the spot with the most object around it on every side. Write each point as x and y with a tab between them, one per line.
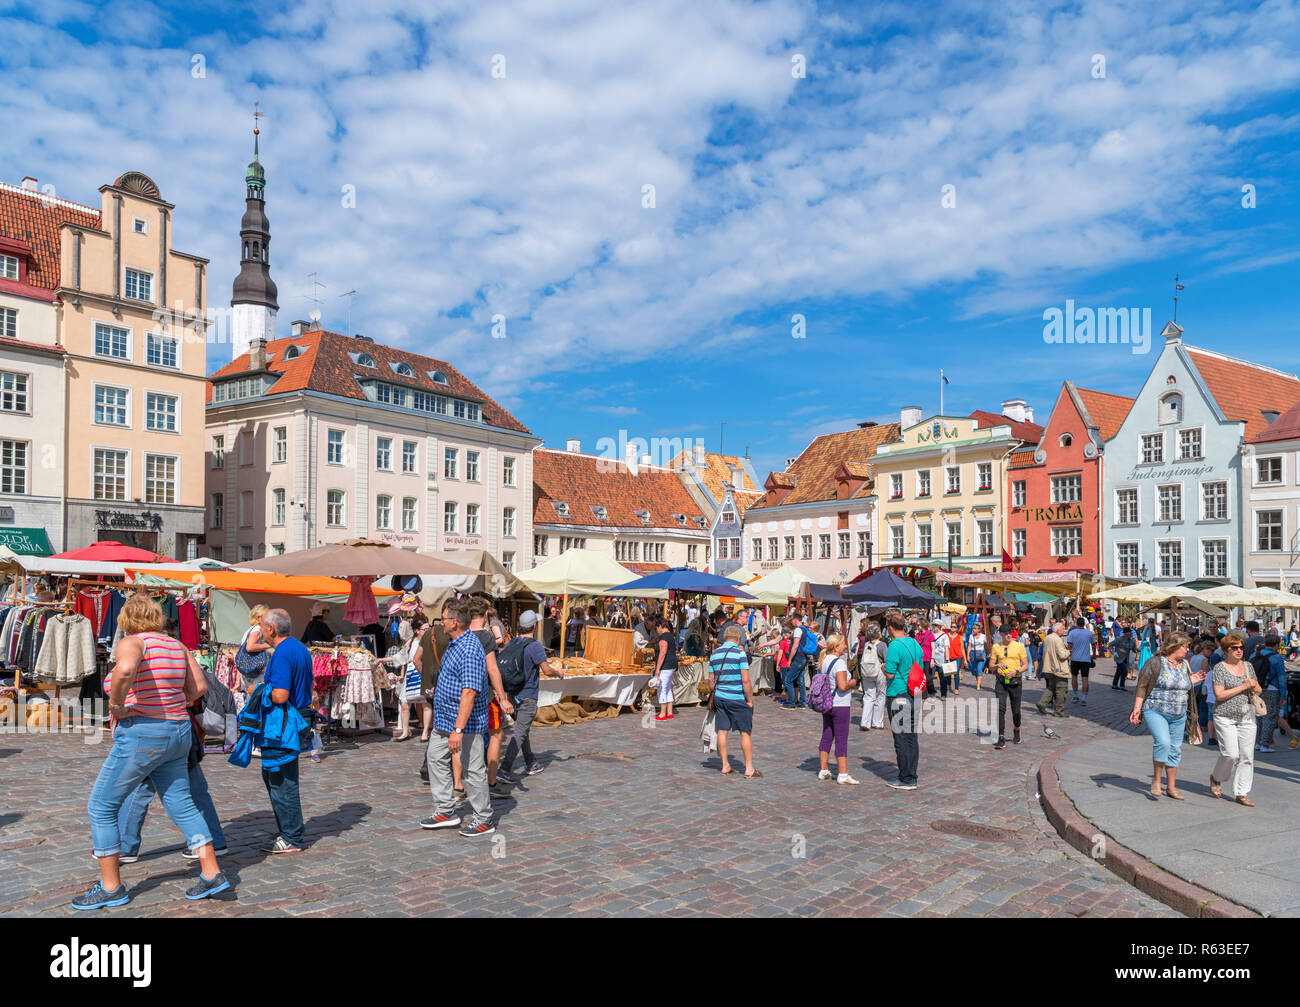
131	321
942	493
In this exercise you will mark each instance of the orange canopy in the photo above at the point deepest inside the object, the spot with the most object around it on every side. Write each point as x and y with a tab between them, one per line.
249	580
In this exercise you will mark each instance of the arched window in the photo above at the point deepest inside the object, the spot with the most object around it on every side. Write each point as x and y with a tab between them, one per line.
365	360
438	378
1066	440
291	352
404	370
1171	408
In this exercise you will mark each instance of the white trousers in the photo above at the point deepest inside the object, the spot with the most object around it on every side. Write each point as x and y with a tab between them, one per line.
666	684
873	701
1236	738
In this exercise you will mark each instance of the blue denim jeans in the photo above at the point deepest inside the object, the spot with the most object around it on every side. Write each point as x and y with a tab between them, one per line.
793	678
282	787
130	820
145	748
1167	733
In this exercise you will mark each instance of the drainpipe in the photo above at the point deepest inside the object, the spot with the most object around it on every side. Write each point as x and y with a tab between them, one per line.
63	481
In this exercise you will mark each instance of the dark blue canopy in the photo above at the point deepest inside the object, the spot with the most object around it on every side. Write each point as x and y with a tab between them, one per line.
886	588
681	578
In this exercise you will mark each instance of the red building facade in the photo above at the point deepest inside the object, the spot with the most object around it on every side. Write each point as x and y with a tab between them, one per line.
1055	490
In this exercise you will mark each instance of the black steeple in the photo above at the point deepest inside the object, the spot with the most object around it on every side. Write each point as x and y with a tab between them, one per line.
254	285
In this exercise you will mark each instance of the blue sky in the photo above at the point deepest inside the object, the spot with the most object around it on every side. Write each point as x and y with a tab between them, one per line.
775	195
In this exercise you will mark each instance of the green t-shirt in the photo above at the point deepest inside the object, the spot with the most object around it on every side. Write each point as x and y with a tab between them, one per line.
903	652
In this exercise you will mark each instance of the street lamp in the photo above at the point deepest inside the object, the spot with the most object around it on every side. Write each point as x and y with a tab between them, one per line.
1143	573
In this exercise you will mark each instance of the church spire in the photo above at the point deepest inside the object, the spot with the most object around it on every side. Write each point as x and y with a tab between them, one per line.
253	296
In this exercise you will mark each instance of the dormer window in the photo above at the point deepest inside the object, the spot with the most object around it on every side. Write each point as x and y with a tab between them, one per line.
699	520
364	360
404	370
9	267
644	515
561	508
292	352
438	378
681	519
599	510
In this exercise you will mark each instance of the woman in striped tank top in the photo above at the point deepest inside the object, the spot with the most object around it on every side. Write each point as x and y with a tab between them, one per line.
153	681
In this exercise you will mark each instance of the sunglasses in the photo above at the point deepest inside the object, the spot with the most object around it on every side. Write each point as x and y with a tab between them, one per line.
1235	646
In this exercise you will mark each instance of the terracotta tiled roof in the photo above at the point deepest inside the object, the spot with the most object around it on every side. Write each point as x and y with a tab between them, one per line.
324	365
1244	390
1021	459
857	470
1285	428
32	217
780	479
584	482
1107	410
1030	433
814	469
716	471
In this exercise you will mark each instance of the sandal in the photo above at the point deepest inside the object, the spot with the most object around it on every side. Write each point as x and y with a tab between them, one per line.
1216	788
1175	795
1157	790
1246	802
755	775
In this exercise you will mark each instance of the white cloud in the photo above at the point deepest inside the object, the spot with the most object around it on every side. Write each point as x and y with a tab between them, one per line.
523	196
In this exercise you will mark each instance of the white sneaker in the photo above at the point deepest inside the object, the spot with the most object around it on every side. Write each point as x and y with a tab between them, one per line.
824	774
845	778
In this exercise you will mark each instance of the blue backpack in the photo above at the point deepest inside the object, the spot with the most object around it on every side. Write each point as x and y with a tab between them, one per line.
808	645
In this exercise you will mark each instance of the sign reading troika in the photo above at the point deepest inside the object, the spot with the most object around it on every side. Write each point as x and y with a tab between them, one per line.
1056	512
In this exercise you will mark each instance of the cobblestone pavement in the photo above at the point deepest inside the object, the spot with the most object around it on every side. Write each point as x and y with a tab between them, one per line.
631	817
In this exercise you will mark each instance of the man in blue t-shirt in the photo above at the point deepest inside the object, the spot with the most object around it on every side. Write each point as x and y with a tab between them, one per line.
1080	641
535	665
288	681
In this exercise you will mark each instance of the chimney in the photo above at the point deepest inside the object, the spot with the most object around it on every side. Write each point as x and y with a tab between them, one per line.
1015	409
909	416
298	327
867	424
257	355
789	463
30	183
573	445
700	459
737	476
646	461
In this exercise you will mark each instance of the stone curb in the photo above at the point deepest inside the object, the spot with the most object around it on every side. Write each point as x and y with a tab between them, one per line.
1136	870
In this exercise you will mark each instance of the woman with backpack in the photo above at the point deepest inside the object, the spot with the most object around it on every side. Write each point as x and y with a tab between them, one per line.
831	695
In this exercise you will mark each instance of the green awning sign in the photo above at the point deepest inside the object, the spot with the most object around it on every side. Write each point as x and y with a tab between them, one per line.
26	541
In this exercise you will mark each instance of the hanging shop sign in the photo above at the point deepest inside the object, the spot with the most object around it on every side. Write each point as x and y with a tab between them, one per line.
120	520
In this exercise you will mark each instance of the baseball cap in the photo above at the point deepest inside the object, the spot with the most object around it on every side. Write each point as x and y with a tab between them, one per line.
528	620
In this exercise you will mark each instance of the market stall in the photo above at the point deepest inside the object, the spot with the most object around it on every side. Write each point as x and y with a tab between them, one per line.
588	688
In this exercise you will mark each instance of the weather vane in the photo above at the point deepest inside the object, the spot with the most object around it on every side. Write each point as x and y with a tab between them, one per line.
1177	287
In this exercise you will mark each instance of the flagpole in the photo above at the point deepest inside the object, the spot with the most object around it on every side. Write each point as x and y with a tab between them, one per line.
940	391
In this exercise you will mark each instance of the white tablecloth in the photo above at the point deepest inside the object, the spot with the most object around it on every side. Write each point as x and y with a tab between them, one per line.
619	690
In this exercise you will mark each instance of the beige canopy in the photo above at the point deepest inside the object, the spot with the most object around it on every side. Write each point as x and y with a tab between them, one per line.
492	579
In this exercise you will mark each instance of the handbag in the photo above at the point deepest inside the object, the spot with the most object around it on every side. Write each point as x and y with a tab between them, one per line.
1257	704
251	665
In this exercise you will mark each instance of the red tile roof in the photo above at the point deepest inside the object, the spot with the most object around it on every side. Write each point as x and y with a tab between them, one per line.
324	365
644	569
1030	433
584	482
1107	411
1244	390
1021	459
1285	428
716	471
33	217
814	469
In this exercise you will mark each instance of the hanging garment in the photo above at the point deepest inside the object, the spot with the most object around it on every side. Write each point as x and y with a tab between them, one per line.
187	618
67	653
361	609
116	599
94	606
